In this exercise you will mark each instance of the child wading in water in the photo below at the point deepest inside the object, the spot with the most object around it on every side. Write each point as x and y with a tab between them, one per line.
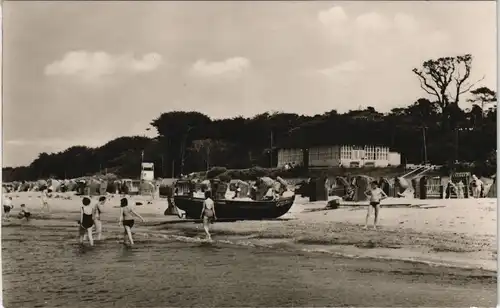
208	213
97	216
127	220
376	195
86	221
24	213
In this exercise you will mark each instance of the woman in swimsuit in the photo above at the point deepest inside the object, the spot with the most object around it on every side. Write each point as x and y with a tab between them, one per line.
97	216
208	213
127	220
86	221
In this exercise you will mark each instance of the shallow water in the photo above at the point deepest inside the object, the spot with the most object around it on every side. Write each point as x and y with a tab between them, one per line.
45	267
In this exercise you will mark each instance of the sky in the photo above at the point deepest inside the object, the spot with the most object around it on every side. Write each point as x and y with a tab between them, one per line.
83	73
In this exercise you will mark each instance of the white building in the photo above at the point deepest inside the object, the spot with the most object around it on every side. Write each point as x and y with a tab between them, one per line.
147	172
290	157
346	155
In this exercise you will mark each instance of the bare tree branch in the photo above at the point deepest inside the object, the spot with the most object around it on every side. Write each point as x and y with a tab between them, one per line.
468	87
428	88
466	60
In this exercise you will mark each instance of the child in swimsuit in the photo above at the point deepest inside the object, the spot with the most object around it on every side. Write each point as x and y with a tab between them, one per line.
127	220
97	216
7	206
208	213
24	213
45	202
86	221
376	195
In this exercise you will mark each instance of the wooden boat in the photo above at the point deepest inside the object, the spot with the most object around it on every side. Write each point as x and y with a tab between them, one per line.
236	209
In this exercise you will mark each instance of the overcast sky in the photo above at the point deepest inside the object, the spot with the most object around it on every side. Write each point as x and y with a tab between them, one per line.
86	72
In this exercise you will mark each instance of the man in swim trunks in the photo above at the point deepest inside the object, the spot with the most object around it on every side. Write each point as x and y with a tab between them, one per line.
97	216
208	213
376	195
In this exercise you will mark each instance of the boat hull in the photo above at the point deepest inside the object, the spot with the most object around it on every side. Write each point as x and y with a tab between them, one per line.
236	209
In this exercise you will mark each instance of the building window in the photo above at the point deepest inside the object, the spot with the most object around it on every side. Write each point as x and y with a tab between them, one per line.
345	152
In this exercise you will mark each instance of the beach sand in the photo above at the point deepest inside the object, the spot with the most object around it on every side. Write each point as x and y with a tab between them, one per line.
458	233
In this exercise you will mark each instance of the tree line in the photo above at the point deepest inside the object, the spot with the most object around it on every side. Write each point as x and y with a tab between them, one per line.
433	130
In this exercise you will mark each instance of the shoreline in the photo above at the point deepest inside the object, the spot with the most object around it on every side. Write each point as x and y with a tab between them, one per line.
309	228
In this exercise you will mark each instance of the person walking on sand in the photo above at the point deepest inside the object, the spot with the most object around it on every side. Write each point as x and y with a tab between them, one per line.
127	220
86	221
97	216
376	195
208	213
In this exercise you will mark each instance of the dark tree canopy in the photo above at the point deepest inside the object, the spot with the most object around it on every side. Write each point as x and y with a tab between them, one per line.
436	130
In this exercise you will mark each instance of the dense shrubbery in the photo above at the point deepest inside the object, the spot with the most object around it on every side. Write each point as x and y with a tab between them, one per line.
214	172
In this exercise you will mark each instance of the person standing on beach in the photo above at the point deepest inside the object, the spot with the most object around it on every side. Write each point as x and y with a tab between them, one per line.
127	220
476	185
45	201
97	216
376	195
7	206
208	213
460	190
86	221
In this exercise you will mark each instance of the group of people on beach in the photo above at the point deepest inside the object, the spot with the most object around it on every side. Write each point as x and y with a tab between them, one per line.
8	205
90	216
24	213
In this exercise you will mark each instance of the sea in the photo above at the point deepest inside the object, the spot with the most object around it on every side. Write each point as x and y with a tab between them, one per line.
44	266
